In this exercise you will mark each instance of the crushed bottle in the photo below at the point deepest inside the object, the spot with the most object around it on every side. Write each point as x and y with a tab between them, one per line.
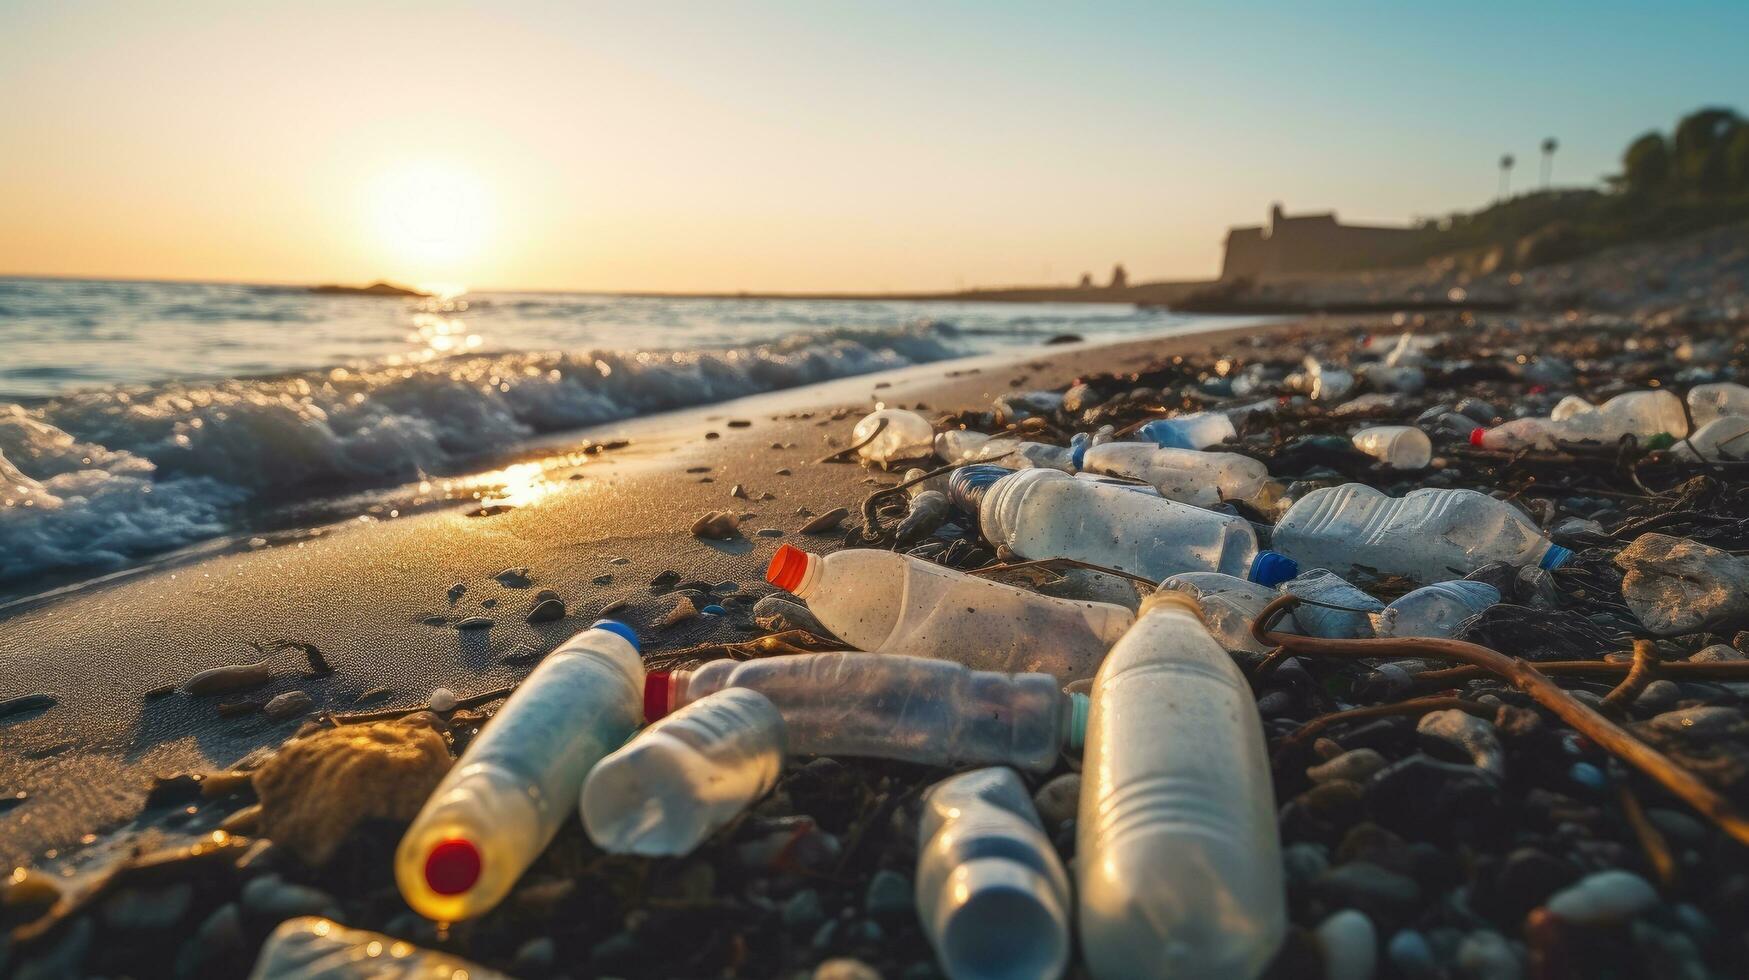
1229	606
1196	430
1332	607
1188	476
992	895
1641	414
1401	447
906	435
686	776
1435	610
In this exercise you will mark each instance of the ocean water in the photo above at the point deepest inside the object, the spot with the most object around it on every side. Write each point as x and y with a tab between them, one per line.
137	417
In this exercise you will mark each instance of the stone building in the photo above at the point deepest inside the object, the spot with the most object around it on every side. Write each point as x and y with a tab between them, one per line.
1312	243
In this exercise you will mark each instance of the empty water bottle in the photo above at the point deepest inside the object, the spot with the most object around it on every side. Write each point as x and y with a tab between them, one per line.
1710	402
903	435
1229	606
1723	438
962	446
685	776
1429	535
894	707
991	893
1642	414
1177	862
1401	447
1197	430
1045	514
891	603
501	803
1435	610
1189	476
1333	608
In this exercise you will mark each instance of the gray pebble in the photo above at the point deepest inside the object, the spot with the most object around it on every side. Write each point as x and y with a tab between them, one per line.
1458	735
1356	765
273	899
804	911
547	611
476	623
291	704
1058	800
514	578
148	909
1350	946
1486	955
1700	721
1602	898
888	895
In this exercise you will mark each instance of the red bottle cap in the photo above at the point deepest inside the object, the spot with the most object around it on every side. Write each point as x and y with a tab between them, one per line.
658	686
788	567
453	866
1476	436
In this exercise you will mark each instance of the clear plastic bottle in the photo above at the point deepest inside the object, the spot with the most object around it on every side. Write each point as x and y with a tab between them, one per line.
1177	862
1723	438
885	602
1188	476
991	893
1229	606
963	446
1045	514
1401	447
1197	430
1428	535
1435	610
907	436
1710	402
1642	414
501	803
894	707
686	776
1337	609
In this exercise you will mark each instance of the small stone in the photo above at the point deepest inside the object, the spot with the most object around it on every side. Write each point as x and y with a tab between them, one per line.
291	704
782	471
1486	955
148	909
1588	776
514	578
618	560
547	611
488	603
1058	800
1659	696
456	591
443	700
804	911
61	959
1367	886
1604	897
1704	721
826	522
534	957
603	579
1303	862
273	899
717	525
683	610
888	895
738	491
1356	765
217	942
476	623
1350	946
769	532
1459	735
1410	953
845	968
665	580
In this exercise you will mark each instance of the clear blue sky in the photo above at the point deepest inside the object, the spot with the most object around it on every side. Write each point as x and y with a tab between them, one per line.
802	145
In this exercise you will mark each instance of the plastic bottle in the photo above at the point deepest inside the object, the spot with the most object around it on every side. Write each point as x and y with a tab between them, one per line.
1337	609
1045	514
1189	476
885	602
991	893
685	776
310	947
1723	438
1709	402
1401	447
894	707
907	436
1229	606
1178	868
963	446
1198	430
1326	384
1435	610
1429	535
507	795
1641	414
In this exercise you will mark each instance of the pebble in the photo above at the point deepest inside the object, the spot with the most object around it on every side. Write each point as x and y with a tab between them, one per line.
717	525
456	591
1058	800
291	704
1604	897
148	909
488	603
274	899
1357	765
769	532
443	700
218	941
804	911
845	968
476	623
1588	776
547	611
1486	955
1659	696
1350	946
888	896
619	560
1706	721
826	522
1368	886
514	578
738	491
1304	862
1457	734
1412	957
62	959
683	610
534	957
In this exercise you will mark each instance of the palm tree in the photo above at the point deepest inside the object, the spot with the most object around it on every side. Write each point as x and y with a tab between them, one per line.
1506	163
1550	145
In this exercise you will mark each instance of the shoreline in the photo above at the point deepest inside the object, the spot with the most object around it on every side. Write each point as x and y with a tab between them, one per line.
362	590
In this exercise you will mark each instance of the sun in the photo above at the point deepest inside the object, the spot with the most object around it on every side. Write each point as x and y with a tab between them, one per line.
431	215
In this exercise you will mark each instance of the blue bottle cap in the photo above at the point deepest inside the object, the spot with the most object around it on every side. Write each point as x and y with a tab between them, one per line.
620	629
1078	444
1555	557
714	611
966	486
1166	435
1271	568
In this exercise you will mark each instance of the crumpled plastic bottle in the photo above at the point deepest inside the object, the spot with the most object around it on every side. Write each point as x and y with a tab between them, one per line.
992	895
1189	476
965	446
1196	430
1435	610
907	436
1710	402
1724	438
1401	447
1641	414
313	948
1229	606
1335	609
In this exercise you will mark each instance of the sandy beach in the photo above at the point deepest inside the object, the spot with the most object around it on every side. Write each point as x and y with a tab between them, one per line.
373	595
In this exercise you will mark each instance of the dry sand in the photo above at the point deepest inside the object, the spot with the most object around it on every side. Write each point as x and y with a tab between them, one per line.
362	591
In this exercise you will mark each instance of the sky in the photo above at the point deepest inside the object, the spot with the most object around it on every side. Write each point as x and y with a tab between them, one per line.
801	146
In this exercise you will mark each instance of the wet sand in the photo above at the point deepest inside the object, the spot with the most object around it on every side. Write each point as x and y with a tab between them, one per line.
373	595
